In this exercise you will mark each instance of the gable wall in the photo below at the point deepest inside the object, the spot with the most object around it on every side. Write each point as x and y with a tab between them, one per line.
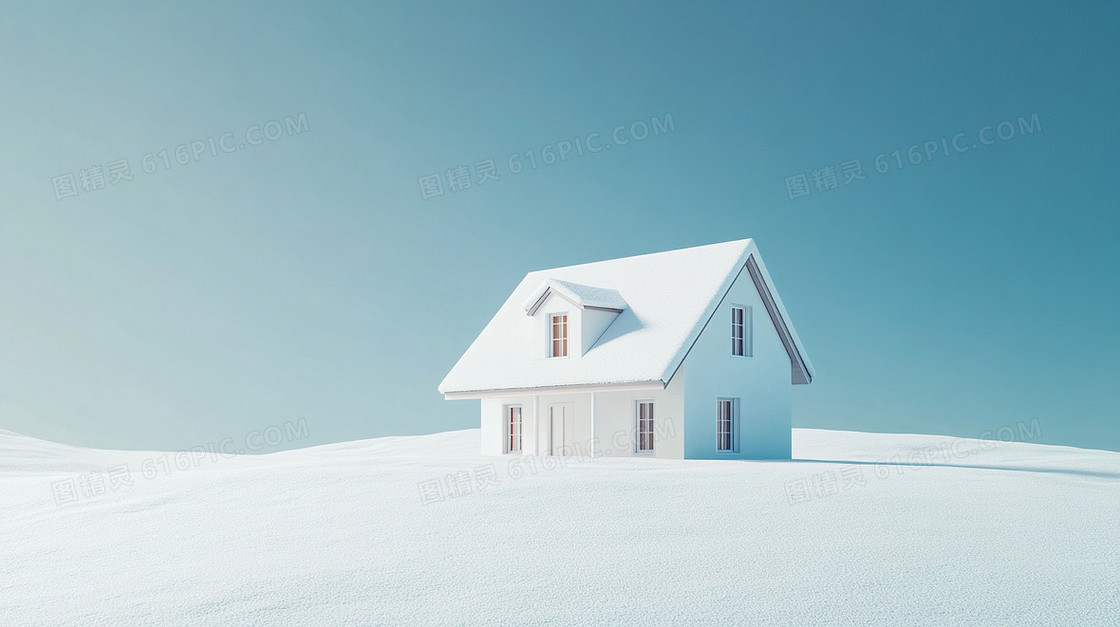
761	382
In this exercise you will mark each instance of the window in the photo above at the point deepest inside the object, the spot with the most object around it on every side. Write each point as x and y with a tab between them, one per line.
645	426
513	429
727	424
559	335
741	331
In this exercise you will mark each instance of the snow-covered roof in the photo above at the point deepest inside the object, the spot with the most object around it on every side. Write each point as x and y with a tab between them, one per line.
582	296
666	299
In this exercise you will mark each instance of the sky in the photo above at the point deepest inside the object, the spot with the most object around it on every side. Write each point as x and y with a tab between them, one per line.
217	218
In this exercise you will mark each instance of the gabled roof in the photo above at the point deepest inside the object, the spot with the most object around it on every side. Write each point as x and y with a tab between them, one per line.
667	298
582	296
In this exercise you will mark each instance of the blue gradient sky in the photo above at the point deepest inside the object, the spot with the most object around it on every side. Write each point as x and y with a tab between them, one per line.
307	278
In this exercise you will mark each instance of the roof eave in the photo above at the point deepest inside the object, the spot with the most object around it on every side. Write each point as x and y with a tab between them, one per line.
798	357
652	384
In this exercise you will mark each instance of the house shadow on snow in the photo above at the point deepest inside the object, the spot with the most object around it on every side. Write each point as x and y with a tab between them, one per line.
900	467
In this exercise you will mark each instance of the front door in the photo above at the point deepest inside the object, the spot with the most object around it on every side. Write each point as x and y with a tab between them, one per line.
560	429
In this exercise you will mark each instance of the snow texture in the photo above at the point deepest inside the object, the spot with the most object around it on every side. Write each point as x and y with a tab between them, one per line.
936	530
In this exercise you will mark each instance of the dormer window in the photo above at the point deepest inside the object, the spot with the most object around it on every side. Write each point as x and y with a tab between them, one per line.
558	346
580	315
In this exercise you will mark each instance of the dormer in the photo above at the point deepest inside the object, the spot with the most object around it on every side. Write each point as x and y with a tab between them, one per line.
569	318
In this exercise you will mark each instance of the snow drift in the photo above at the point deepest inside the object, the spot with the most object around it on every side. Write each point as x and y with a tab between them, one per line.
861	528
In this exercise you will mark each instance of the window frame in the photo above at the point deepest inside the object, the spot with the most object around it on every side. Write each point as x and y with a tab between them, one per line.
732	403
512	438
565	339
649	437
742	331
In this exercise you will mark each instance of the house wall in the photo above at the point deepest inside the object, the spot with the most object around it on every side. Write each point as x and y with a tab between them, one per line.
534	419
616	422
613	415
761	382
494	426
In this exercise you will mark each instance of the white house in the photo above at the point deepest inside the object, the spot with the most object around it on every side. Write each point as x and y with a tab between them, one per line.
681	354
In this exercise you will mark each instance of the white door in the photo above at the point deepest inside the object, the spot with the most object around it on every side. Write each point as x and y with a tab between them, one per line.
560	430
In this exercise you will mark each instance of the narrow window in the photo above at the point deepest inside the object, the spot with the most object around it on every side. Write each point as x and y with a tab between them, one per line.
559	344
727	424
741	331
513	428
645	426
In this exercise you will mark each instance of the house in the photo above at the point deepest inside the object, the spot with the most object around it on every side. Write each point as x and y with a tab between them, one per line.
680	354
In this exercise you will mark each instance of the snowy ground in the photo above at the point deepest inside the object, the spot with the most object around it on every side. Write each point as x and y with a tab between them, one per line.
869	532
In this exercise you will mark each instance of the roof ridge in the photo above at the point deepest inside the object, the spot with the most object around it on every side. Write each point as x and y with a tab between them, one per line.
745	242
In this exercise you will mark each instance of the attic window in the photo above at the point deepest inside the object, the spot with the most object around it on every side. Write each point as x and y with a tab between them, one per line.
558	346
741	332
